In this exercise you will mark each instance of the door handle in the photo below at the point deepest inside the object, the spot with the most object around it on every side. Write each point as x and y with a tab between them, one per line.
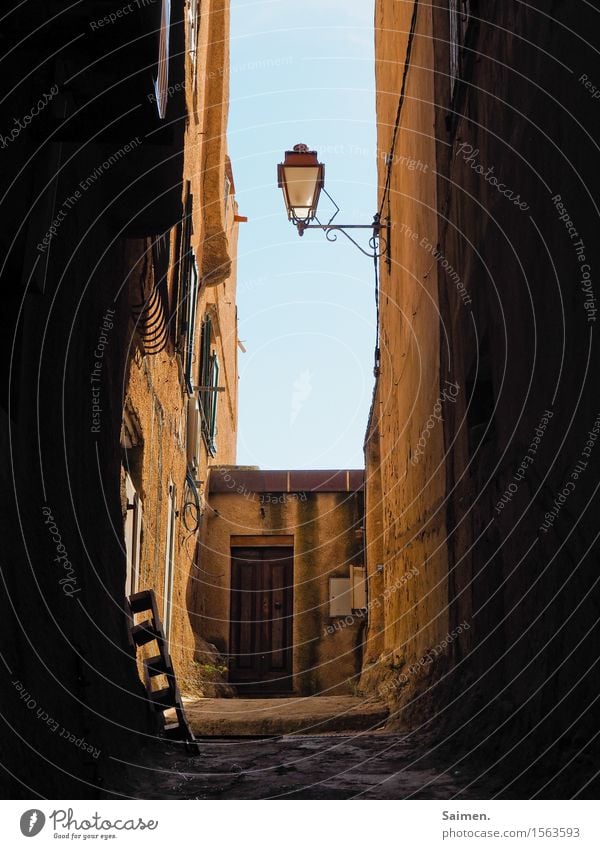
277	605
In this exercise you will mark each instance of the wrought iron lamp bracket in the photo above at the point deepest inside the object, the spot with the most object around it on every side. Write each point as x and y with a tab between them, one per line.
379	243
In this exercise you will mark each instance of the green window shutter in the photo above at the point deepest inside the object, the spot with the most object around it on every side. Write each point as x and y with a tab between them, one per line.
215	397
209	378
205	353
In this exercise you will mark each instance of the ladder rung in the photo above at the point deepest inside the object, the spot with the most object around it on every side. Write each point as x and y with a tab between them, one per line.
163	699
145	632
144	601
159	665
141	601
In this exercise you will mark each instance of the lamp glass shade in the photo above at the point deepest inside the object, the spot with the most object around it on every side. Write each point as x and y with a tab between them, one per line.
301	176
303	189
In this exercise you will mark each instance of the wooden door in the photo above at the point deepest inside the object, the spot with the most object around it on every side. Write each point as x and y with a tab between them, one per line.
261	620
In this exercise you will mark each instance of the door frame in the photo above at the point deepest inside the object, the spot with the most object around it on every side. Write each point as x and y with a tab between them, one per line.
133	536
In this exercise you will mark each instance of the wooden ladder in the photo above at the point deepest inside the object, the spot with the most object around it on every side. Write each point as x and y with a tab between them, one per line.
168	697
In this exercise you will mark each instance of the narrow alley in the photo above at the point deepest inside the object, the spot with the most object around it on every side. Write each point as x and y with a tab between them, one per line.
299	406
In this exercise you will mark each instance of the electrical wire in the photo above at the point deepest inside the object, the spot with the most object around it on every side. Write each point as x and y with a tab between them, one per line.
390	155
377	353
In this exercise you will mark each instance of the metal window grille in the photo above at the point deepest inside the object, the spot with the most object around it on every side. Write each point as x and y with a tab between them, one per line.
209	385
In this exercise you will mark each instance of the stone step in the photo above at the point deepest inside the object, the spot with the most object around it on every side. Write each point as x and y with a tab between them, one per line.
276	717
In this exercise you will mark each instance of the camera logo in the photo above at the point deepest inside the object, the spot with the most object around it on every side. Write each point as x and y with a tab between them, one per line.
32	822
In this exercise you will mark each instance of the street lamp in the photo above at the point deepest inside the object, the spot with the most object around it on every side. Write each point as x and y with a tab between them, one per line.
302	178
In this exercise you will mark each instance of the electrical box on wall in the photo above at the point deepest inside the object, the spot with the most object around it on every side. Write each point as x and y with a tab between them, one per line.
340	597
348	595
358	578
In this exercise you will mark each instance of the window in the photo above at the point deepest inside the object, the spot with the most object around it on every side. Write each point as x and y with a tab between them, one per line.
464	18
459	14
454	45
161	84
227	191
208	391
190	322
169	561
193	9
187	293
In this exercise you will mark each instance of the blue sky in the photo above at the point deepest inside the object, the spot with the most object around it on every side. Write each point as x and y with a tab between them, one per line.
303	72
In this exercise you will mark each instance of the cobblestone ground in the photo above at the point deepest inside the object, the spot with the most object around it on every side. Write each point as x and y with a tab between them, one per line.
367	766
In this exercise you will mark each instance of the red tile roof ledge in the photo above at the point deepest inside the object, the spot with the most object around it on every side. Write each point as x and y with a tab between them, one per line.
251	478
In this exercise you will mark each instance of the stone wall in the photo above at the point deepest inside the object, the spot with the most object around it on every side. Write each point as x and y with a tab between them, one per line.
157	395
497	325
405	477
86	191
